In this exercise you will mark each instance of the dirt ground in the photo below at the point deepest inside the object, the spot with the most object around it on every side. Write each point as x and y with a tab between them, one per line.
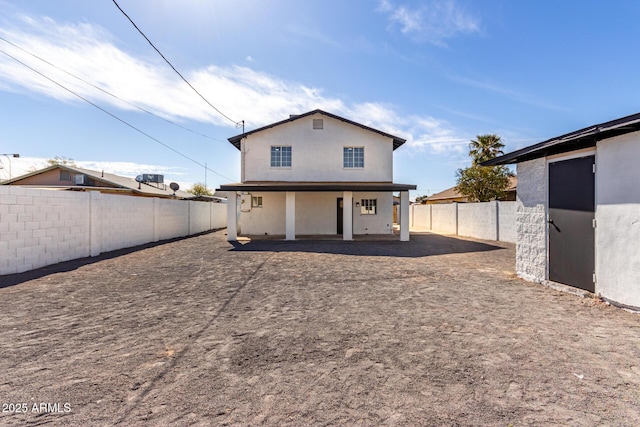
436	331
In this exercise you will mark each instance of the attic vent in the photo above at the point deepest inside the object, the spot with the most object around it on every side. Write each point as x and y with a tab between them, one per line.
318	124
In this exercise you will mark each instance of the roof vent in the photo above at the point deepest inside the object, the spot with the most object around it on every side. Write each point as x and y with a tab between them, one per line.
293	116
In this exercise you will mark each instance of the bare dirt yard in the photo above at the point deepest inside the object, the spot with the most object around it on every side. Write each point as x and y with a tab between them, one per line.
436	331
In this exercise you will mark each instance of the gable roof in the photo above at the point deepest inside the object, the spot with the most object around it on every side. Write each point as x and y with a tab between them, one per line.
121	182
235	140
453	193
583	138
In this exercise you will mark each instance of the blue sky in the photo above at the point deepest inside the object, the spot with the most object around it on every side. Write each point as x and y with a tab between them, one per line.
436	72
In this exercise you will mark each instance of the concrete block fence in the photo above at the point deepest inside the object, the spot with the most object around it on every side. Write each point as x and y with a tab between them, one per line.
43	227
488	220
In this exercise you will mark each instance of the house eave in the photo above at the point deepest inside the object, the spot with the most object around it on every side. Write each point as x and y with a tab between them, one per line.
236	140
316	186
580	139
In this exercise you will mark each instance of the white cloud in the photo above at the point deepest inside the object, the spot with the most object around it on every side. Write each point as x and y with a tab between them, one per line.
432	22
516	95
240	92
24	165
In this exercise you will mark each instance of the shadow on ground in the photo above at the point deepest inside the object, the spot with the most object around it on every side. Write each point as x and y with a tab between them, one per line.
420	245
61	267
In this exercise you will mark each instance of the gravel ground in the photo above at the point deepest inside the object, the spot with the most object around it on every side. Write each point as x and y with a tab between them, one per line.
436	331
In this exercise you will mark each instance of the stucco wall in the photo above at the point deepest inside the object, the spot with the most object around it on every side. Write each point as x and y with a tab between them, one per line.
531	234
43	227
269	219
618	219
317	154
316	213
381	222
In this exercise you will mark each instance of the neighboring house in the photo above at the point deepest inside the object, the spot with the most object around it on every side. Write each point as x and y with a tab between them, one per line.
316	173
451	195
578	219
66	177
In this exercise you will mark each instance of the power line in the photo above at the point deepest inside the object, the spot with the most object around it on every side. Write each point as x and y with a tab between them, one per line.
114	116
109	93
171	65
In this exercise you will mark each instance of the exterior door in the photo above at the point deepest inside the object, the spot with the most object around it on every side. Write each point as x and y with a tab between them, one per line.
340	214
571	222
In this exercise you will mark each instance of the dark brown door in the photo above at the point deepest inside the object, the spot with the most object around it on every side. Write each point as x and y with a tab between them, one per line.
340	214
571	216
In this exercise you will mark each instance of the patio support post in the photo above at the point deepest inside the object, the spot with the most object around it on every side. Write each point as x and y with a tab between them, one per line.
404	216
290	216
347	215
232	219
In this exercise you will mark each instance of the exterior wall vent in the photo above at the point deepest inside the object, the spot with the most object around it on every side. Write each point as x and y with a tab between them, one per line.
318	124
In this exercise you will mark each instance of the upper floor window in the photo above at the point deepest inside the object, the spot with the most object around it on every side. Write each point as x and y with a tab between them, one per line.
353	157
280	157
65	175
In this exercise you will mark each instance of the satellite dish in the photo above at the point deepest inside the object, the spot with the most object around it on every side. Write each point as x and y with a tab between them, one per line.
139	178
174	186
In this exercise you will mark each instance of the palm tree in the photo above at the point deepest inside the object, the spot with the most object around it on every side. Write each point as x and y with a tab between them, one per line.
484	148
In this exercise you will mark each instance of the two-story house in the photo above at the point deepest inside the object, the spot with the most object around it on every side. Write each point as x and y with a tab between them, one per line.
316	173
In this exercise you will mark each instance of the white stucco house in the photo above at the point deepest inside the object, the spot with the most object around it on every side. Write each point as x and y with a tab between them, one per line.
316	174
578	210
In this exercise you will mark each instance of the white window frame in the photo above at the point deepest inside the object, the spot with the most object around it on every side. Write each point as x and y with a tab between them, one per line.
279	150
368	206
256	201
349	162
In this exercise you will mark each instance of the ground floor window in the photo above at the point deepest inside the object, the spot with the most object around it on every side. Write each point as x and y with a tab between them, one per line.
256	202
368	206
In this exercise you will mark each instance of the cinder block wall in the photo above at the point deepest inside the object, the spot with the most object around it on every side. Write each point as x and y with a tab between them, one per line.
479	220
39	227
531	237
489	220
43	227
421	216
444	218
125	221
507	221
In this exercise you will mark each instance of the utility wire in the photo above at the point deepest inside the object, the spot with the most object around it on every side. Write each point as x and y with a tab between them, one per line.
115	117
171	65
108	93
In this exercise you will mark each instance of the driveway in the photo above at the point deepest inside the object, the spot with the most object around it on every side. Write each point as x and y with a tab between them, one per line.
436	331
